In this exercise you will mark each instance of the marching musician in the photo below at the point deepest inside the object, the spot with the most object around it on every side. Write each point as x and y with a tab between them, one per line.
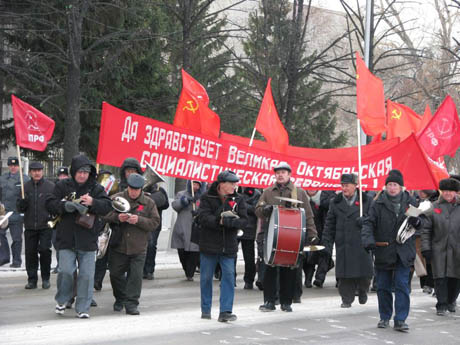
393	260
126	259
440	240
353	267
283	187
77	200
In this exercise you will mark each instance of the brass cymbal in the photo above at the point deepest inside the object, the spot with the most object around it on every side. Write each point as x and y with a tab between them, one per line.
293	201
313	248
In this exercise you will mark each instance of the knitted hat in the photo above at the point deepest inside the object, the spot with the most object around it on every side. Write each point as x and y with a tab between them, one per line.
449	184
395	176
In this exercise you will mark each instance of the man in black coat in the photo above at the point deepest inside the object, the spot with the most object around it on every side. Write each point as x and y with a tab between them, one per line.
74	199
159	195
37	235
343	227
393	260
247	239
319	202
218	241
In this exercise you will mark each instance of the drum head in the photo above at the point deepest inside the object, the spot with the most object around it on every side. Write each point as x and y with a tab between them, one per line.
270	236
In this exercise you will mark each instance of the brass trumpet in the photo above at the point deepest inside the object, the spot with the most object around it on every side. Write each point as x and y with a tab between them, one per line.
56	219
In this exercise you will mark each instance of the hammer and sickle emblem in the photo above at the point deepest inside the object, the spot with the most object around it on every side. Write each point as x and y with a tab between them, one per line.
396	115
190	106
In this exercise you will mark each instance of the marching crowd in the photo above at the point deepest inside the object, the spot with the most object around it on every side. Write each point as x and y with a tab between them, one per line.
212	221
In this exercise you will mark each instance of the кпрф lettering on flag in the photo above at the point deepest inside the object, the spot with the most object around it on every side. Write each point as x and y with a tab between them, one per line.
370	99
269	124
33	128
192	109
441	136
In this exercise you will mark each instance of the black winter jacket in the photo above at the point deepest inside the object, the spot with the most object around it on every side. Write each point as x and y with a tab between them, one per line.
251	196
382	225
215	238
70	235
36	215
342	228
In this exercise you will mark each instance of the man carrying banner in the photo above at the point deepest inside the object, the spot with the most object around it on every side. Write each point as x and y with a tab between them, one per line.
353	267
283	187
37	235
78	200
393	260
10	189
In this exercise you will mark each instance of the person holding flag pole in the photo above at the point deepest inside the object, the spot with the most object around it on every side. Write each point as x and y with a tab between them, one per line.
33	130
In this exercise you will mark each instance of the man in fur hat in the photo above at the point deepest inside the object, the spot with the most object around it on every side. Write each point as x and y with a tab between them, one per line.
393	260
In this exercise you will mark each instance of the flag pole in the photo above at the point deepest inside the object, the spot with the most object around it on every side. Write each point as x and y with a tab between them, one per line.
20	172
252	137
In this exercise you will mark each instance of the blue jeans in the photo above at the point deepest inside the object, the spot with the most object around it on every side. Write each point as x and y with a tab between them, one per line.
16	229
385	297
85	281
208	264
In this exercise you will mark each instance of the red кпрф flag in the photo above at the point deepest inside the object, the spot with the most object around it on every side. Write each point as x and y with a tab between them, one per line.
370	99
442	134
269	124
425	119
192	110
33	128
402	121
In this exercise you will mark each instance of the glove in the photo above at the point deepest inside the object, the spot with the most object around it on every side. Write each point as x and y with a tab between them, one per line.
359	222
22	205
370	248
427	254
267	210
415	222
227	222
314	241
184	200
69	207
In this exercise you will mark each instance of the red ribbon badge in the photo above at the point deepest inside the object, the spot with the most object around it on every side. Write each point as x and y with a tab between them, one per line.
438	210
140	208
232	203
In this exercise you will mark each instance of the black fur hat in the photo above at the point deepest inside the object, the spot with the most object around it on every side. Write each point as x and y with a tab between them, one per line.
449	184
395	176
349	178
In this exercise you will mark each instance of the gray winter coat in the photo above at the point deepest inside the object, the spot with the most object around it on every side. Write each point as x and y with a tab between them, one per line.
182	230
441	235
341	228
10	189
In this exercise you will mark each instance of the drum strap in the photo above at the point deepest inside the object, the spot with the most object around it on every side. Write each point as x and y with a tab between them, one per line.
294	193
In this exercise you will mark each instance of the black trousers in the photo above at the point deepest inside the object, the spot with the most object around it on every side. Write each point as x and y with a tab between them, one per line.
126	287
298	286
38	249
348	287
149	266
428	279
248	247
319	260
189	261
287	278
447	290
101	268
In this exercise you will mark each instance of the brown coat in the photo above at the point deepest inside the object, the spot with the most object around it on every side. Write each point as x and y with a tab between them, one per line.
268	198
135	237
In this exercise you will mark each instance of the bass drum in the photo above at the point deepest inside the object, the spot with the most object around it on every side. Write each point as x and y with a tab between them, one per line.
285	237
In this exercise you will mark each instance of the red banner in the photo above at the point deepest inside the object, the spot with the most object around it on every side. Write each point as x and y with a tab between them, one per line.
178	152
33	128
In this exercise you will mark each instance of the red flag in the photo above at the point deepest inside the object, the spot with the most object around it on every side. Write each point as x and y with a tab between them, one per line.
442	134
425	119
192	110
269	124
370	99
33	128
401	120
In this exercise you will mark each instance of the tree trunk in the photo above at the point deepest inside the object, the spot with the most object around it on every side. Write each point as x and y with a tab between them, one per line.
72	115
